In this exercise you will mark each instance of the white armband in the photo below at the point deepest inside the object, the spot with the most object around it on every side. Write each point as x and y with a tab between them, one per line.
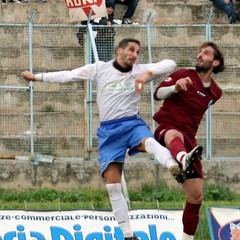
165	92
39	77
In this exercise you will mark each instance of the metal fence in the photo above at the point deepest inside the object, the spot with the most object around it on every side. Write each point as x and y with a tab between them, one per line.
61	119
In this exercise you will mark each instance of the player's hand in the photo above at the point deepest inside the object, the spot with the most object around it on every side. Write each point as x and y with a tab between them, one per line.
183	84
139	86
28	76
139	83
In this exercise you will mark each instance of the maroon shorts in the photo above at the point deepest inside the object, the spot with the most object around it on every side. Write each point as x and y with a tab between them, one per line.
189	142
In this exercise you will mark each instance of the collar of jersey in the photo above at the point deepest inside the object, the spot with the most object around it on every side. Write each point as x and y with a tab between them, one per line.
120	68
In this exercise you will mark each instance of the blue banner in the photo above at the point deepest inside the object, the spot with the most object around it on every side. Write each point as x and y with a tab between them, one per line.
224	223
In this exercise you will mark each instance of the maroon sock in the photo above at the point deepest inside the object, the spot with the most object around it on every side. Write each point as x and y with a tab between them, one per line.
190	218
176	146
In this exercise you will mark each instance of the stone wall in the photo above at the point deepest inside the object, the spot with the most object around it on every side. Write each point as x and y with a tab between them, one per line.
162	12
67	174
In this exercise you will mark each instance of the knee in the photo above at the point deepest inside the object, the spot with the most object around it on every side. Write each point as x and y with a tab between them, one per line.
176	133
199	199
173	133
196	198
113	173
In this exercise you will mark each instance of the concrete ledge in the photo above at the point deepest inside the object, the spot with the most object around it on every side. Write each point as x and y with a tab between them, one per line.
65	174
171	12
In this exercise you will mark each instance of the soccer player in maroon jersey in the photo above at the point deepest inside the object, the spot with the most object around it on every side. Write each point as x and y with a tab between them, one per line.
187	94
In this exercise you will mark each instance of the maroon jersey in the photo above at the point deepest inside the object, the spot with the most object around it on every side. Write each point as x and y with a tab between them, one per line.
184	110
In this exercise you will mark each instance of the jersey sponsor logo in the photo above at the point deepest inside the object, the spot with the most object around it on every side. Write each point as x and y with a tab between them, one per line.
119	87
201	94
168	79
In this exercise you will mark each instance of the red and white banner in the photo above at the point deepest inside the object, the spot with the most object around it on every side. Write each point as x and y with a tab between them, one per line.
79	10
224	223
88	225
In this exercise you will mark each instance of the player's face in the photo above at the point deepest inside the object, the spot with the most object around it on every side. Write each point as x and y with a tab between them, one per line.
205	59
127	57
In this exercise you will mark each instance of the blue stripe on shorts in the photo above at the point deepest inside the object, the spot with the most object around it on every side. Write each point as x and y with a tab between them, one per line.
115	137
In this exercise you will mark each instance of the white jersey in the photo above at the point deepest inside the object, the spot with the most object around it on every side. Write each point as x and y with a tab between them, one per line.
116	96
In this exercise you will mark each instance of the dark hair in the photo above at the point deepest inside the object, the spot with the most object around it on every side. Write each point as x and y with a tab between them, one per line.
110	4
218	55
123	43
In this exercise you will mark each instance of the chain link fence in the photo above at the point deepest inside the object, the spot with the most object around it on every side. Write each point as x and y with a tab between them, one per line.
61	119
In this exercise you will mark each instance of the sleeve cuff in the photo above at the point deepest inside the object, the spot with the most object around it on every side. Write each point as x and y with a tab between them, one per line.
39	77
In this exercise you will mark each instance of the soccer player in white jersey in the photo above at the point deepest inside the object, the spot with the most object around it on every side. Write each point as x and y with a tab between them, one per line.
119	84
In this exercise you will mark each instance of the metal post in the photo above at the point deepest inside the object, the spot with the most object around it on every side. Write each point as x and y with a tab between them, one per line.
90	47
150	61
209	111
31	84
91	37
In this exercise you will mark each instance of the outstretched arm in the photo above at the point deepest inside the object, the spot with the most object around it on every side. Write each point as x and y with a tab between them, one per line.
78	74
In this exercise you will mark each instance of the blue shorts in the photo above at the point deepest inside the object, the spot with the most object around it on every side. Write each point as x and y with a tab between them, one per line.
115	137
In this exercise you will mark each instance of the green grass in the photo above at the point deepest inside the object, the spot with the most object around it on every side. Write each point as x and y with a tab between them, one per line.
148	197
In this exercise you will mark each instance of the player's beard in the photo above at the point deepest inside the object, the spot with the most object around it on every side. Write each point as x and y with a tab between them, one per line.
125	60
204	67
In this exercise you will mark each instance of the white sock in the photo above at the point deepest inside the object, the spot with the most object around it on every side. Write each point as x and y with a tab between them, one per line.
181	157
187	237
120	208
159	152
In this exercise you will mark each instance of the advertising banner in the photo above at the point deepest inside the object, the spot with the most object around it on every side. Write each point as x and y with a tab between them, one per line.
79	10
224	223
88	225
